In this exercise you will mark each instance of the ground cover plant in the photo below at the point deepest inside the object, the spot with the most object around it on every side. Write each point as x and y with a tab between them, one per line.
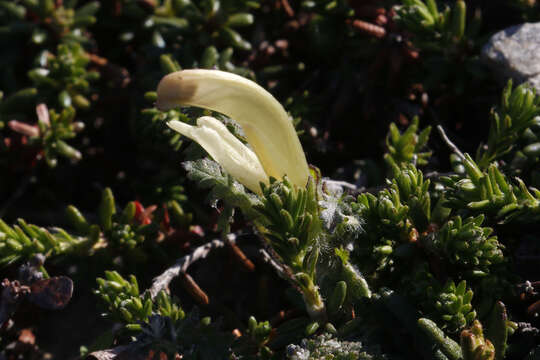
274	179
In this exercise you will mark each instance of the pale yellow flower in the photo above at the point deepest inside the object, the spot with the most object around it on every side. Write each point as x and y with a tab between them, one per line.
268	129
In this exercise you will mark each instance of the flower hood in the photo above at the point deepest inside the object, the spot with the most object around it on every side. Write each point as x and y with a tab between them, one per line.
268	128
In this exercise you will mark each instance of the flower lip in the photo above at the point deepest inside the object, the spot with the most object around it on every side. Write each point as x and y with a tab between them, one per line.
267	126
236	158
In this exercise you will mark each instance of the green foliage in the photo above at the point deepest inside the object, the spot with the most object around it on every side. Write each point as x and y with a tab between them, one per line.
353	287
211	58
394	220
64	21
152	122
373	238
340	248
64	77
201	34
434	28
50	133
161	324
193	336
225	17
499	328
385	211
447	346
338	217
259	332
491	192
475	346
393	217
290	224
426	338
61	126
468	245
255	339
292	217
451	305
45	22
125	302
336	300
516	113
209	174
118	230
407	148
23	241
447	36
414	191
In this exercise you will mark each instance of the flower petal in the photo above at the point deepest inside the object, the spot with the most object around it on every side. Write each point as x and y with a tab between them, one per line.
267	126
237	159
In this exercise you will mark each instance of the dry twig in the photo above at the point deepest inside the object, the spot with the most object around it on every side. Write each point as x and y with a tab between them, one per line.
449	143
369	28
162	281
287	7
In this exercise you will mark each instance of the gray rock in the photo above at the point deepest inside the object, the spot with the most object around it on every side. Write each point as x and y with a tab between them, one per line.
515	53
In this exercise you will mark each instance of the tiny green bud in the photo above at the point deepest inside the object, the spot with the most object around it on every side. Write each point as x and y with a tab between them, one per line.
311	328
338	297
107	209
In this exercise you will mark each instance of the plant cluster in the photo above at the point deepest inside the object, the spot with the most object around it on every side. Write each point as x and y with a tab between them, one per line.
297	201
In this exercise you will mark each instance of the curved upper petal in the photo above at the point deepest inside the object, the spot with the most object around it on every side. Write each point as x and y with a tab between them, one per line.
267	126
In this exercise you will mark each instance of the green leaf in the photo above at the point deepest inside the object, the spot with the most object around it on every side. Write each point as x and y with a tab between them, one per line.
209	174
107	209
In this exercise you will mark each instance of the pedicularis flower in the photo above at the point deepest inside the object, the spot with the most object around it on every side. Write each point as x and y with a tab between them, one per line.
268	129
